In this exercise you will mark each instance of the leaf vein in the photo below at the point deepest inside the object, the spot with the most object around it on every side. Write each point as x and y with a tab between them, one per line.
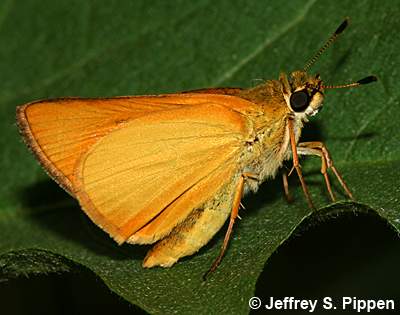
263	45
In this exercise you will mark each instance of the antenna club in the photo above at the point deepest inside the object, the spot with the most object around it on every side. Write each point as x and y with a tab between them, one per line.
342	26
368	79
331	39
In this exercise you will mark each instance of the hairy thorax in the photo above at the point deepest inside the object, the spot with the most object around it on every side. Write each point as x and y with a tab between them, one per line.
271	143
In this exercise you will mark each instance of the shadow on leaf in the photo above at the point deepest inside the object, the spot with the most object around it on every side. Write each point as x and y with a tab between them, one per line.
51	208
336	251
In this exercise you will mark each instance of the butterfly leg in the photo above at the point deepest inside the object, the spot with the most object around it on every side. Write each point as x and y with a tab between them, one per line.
317	148
288	196
296	163
234	215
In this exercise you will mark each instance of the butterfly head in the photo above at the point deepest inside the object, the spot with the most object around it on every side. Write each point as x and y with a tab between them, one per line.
303	92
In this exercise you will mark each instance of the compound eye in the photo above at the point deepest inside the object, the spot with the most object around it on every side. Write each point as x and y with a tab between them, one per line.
299	100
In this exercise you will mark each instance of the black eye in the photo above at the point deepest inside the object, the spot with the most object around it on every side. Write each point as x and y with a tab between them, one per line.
299	100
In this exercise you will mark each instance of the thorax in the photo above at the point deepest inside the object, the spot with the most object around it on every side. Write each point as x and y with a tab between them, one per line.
270	145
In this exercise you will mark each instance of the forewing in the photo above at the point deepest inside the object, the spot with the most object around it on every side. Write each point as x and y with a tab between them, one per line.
60	131
135	172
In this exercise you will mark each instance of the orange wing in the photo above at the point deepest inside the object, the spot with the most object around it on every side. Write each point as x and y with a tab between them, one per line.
59	131
134	162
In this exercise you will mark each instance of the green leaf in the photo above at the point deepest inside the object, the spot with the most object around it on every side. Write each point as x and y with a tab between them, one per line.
91	48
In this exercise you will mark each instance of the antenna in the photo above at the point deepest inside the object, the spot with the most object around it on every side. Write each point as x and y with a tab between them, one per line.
366	80
331	39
